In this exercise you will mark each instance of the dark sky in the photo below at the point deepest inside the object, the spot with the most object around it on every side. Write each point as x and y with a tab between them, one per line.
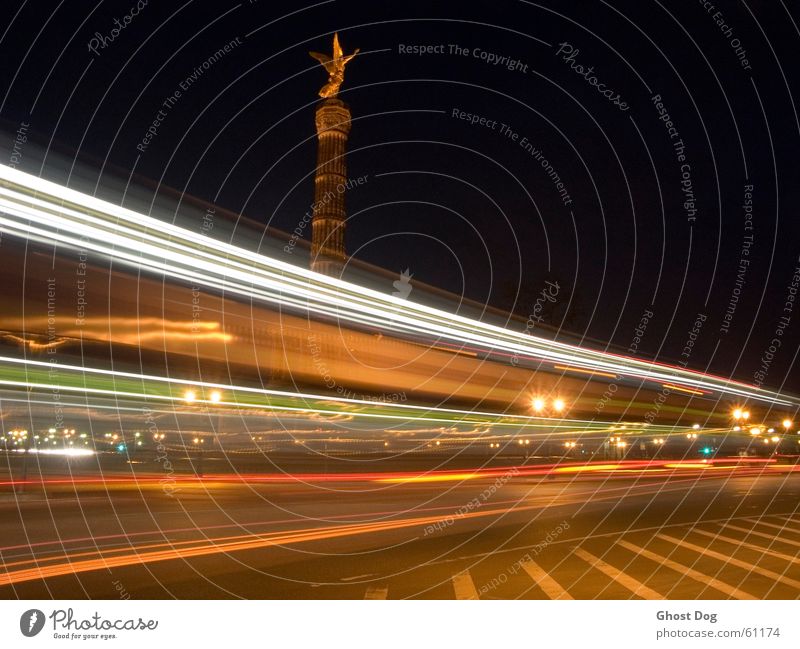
463	206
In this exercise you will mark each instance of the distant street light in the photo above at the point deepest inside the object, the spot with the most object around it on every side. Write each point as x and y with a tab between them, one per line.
189	396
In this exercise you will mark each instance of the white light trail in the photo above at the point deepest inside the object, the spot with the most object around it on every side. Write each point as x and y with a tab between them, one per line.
34	208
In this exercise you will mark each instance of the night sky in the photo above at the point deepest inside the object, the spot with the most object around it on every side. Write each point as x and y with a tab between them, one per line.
650	215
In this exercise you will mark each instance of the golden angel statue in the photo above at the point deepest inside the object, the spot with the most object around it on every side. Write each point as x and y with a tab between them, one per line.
334	65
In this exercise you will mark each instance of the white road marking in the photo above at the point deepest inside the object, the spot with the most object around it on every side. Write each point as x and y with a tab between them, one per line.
782	528
754	546
376	592
464	586
721	586
550	586
747	565
633	585
789	519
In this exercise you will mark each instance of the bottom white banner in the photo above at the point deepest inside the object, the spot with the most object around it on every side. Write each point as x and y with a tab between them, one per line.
370	624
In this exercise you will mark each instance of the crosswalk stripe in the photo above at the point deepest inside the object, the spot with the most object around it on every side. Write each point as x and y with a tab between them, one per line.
747	565
376	592
550	586
753	546
721	586
790	519
633	585
464	586
782	528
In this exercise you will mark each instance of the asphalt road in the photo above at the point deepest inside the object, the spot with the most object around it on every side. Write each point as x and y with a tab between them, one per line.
684	535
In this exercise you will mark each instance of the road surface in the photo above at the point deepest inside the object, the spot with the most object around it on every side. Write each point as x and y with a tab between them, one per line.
682	534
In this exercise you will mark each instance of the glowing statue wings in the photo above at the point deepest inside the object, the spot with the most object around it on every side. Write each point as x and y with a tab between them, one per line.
334	66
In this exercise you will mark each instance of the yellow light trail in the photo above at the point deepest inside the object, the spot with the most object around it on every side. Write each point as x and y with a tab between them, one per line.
680	389
432	478
577	369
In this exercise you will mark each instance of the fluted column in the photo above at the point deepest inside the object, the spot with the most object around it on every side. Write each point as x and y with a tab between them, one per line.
328	223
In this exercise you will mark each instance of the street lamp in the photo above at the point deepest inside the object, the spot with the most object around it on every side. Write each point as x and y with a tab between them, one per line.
787	424
216	397
189	396
199	441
